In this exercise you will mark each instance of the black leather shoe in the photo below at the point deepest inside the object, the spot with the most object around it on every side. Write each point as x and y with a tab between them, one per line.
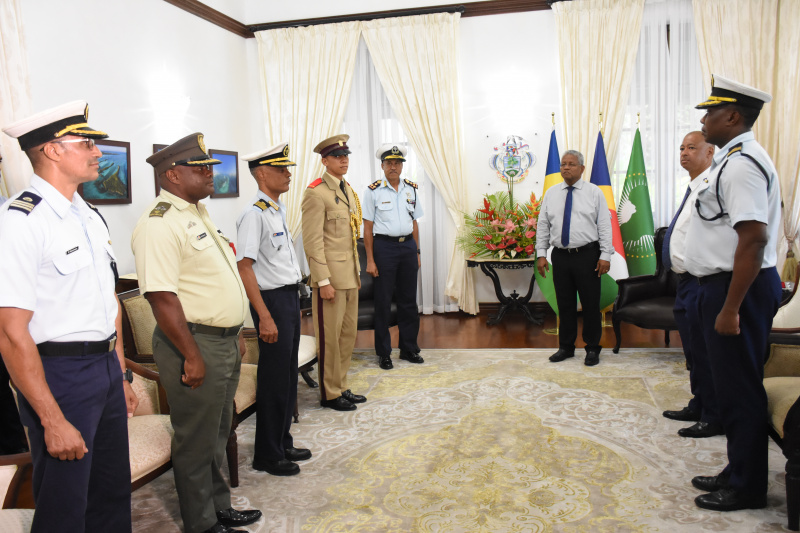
297	454
411	357
385	362
730	500
281	467
592	358
353	398
684	415
221	528
339	404
710	483
701	430
233	518
560	355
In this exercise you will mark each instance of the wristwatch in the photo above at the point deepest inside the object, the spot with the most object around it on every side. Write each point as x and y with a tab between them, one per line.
128	375
417	251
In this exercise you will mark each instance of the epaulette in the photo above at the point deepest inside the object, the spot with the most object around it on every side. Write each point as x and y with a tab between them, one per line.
93	208
411	183
314	183
734	149
261	204
374	185
160	209
25	203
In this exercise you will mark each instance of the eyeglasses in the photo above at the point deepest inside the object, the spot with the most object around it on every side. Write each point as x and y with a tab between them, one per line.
89	143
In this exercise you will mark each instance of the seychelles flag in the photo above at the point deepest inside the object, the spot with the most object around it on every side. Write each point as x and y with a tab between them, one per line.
601	178
552	177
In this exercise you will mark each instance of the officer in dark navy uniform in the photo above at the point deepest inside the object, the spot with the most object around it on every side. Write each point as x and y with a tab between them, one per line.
391	240
271	275
732	243
59	327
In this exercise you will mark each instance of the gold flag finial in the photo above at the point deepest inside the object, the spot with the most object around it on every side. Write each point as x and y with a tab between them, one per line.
553	118
637	118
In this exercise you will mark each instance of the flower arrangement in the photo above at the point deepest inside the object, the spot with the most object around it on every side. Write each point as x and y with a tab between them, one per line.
502	229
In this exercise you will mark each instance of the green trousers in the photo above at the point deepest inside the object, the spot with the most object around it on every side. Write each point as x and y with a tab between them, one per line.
201	419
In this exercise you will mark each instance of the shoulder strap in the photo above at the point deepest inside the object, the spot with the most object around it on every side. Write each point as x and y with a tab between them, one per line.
26	202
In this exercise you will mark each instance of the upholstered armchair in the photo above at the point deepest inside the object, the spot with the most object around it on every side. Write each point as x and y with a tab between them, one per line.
782	383
15	493
647	301
366	295
786	324
149	430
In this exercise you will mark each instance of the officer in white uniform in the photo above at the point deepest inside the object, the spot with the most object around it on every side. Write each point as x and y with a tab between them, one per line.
59	325
732	249
271	275
391	241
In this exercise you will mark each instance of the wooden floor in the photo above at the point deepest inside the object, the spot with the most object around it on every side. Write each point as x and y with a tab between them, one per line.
460	330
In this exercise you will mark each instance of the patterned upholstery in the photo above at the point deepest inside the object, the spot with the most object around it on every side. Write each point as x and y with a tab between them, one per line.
147	392
143	323
16	520
246	391
150	443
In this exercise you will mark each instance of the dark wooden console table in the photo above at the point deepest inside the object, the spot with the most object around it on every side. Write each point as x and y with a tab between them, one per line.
513	301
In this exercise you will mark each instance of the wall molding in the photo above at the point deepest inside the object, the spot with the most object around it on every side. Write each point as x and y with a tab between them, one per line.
474	9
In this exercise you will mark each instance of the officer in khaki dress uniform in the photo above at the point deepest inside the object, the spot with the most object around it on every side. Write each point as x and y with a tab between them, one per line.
187	271
271	275
331	221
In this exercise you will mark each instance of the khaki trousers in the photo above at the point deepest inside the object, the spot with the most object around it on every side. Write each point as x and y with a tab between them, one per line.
335	329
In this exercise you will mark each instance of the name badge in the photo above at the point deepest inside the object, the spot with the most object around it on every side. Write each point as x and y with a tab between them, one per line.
202	236
73	250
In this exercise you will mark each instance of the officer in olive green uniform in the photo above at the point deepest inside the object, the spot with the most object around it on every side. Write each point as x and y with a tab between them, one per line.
187	271
331	221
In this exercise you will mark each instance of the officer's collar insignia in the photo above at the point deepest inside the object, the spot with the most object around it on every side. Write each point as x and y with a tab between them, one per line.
261	204
374	185
160	209
733	150
25	203
273	205
411	183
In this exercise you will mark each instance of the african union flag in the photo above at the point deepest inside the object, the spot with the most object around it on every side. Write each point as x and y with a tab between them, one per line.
636	215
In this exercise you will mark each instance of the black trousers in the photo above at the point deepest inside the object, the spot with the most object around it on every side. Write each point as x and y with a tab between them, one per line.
575	273
12	436
397	275
93	493
276	392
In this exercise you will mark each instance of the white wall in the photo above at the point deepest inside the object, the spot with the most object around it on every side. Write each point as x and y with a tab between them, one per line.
131	57
128	58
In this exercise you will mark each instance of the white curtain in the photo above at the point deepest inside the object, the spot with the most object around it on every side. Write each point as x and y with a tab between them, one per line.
756	42
15	97
370	122
416	59
306	75
597	41
666	85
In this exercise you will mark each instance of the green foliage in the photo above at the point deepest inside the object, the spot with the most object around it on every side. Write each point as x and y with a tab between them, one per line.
501	229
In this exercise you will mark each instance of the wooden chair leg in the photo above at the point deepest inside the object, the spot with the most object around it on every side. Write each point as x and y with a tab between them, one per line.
666	337
793	495
232	452
617	334
308	379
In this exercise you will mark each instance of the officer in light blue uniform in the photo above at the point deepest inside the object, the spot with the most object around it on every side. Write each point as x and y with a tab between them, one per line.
731	248
391	239
59	325
271	275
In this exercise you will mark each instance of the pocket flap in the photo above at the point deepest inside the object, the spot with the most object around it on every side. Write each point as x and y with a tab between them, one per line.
67	263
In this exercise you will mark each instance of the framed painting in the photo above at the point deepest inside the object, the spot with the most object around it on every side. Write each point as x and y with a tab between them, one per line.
226	174
158	148
113	185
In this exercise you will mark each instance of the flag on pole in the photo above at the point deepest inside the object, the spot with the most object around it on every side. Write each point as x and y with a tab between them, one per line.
636	215
552	177
601	178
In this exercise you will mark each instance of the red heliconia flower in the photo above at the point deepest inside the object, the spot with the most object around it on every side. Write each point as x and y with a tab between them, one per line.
487	237
530	234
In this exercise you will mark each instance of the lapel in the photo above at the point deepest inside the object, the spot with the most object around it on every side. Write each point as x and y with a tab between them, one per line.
333	183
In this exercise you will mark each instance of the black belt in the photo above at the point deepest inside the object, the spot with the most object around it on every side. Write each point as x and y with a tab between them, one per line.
594	244
293	287
404	238
683	276
76	349
702	280
214	330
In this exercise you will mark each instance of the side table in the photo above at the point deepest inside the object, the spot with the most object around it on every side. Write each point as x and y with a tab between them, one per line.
513	301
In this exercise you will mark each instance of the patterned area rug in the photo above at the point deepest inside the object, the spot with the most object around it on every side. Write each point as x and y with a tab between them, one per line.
491	441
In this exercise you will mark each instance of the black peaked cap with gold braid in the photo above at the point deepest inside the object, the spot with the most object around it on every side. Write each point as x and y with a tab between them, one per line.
51	124
189	151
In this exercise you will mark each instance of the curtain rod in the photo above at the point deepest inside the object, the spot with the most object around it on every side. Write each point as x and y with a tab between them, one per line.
355	18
